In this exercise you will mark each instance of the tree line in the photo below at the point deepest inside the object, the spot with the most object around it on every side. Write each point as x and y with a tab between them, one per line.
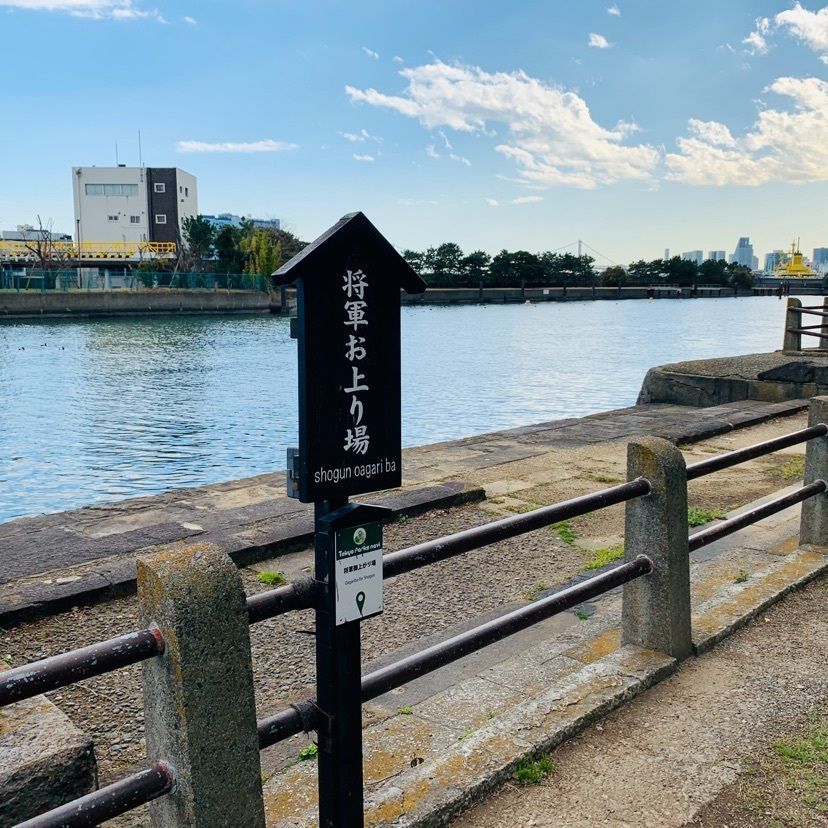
256	251
447	266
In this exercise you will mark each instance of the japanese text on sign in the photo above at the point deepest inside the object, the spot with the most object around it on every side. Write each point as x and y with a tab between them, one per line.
357	438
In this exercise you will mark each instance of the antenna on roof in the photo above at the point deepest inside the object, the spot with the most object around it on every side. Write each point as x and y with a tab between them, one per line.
140	157
116	154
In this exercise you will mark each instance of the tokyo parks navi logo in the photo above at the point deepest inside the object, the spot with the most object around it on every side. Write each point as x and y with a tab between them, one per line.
359	536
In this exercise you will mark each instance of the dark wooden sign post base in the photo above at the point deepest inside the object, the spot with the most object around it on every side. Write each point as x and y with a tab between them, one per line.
348	325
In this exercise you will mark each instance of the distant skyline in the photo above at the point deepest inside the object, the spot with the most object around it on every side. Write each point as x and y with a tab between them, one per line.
635	126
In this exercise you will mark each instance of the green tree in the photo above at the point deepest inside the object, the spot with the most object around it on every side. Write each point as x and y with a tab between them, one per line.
475	267
446	265
414	258
502	270
614	276
263	255
739	276
713	272
199	237
231	258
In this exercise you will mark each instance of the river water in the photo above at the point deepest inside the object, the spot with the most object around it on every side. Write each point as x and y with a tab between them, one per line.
99	410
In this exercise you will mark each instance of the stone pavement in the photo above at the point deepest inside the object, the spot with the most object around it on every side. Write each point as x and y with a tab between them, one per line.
446	739
52	562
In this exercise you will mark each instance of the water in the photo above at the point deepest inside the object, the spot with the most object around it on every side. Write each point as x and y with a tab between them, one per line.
101	410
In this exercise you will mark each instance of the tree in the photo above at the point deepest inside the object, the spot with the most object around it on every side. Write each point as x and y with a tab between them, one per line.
446	265
614	276
475	267
739	276
50	253
231	258
263	256
502	272
713	272
415	259
199	239
682	272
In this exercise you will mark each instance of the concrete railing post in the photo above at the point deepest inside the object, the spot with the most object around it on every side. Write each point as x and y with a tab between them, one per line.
813	527
199	708
656	608
823	343
793	319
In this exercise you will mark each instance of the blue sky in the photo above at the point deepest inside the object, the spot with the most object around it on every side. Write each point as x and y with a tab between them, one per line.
634	125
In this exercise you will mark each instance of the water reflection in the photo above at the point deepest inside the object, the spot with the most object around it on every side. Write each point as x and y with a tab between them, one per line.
99	410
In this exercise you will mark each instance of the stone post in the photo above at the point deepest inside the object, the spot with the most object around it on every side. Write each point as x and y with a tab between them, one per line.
199	708
813	526
656	608
792	341
823	343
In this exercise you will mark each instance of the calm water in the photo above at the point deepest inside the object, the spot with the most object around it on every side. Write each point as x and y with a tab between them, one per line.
96	411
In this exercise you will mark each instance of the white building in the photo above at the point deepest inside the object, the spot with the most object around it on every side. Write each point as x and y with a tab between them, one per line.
716	255
696	256
132	204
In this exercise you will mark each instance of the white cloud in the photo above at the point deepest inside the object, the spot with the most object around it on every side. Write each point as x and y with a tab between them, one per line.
492	202
460	159
267	145
614	10
551	136
598	41
360	137
397	59
756	43
371	53
527	199
96	9
191	20
431	152
363	157
810	27
783	145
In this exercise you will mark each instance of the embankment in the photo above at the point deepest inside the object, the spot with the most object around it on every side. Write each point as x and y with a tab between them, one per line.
164	301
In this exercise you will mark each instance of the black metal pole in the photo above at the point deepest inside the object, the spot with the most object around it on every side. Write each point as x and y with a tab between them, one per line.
338	691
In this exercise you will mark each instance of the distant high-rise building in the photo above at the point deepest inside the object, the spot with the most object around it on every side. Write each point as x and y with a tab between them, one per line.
696	256
773	260
666	253
819	260
717	255
743	254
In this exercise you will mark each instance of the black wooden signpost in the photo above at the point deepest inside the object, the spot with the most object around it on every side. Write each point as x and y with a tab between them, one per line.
348	325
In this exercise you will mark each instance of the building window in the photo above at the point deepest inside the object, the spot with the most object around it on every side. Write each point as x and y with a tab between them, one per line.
111	189
159	188
187	192
112	218
135	219
160	218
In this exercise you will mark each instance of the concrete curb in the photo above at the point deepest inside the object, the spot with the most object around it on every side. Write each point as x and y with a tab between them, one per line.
30	598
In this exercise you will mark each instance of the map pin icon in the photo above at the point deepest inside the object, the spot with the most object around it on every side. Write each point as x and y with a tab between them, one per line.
360	599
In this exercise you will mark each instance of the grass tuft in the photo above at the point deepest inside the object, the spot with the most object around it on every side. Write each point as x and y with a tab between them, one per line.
698	517
404	711
605	555
532	771
535	591
793	469
271	578
564	530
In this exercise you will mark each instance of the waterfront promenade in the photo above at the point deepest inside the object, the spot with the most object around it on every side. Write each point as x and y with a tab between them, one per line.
55	561
422	739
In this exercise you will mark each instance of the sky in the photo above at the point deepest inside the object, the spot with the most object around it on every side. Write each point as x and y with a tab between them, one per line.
636	126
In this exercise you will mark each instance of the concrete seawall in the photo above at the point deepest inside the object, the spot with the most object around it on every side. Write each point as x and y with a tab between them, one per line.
33	304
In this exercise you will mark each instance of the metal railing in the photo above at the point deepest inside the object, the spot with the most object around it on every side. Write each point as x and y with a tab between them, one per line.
35	249
795	330
159	778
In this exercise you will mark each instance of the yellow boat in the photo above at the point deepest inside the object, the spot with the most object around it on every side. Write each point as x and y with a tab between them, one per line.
793	267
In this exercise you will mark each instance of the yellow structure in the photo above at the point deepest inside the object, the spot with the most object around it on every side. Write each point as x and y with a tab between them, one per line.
793	267
72	251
